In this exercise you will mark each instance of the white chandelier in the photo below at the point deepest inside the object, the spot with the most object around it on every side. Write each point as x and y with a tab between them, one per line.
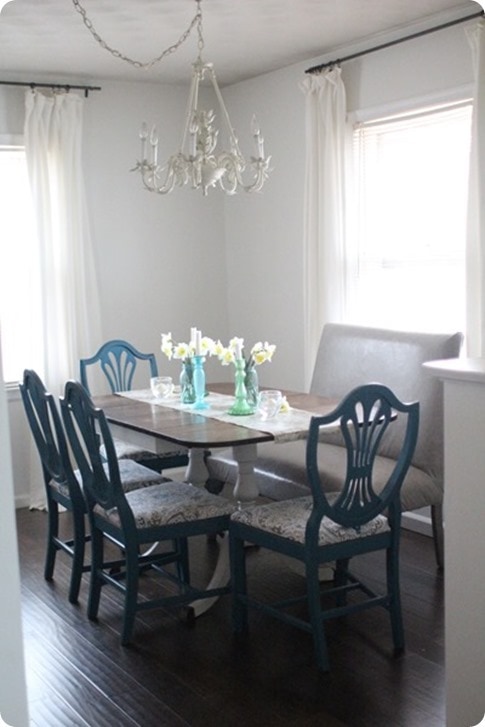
198	162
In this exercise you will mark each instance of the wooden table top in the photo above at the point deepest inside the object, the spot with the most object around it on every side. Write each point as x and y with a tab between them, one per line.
190	429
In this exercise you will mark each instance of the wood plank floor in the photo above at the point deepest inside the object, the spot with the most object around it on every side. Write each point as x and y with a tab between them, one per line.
176	675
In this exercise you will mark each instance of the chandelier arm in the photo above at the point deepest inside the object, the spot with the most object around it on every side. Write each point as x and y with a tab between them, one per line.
191	106
118	54
232	134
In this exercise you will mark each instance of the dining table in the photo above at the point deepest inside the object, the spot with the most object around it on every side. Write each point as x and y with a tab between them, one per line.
165	425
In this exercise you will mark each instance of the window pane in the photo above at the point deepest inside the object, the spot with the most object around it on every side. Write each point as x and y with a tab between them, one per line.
410	228
18	273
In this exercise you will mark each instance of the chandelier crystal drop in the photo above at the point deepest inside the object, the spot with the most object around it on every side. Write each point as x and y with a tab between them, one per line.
198	162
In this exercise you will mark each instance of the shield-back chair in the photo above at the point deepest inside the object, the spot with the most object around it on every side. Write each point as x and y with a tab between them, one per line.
173	511
118	361
335	527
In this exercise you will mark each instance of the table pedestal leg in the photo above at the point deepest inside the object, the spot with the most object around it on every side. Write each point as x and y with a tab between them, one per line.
196	472
245	491
220	577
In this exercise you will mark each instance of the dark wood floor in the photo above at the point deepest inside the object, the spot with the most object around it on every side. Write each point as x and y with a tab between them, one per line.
175	675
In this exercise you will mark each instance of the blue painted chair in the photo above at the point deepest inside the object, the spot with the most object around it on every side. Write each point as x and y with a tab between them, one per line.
334	528
62	483
118	361
61	486
172	511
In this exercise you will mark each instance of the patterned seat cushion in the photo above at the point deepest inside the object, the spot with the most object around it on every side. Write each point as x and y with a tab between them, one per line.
132	474
170	503
288	519
125	450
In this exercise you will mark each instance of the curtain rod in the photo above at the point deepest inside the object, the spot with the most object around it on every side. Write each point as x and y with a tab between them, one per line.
321	66
66	86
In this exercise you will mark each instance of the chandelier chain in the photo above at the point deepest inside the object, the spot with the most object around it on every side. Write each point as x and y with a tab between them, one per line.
196	21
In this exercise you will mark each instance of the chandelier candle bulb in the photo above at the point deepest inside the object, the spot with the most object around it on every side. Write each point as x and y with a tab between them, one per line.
154	144
257	137
143	136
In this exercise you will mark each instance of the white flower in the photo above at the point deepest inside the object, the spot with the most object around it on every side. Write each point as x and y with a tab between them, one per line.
183	350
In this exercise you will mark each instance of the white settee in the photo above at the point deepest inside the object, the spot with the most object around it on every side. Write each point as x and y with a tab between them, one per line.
347	357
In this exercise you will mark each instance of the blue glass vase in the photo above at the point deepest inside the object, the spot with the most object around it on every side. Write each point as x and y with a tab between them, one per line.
199	383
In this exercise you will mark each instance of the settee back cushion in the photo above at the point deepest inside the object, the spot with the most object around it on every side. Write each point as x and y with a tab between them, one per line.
349	356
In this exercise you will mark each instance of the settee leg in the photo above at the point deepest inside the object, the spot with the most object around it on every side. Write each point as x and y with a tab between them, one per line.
438	534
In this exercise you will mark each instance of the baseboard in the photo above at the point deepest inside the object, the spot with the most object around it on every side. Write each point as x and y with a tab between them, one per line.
21	501
417	523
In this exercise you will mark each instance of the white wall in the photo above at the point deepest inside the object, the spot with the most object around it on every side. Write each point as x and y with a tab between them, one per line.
13	698
160	259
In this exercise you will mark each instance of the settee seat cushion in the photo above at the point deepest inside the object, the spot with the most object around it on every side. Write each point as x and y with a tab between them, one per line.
280	473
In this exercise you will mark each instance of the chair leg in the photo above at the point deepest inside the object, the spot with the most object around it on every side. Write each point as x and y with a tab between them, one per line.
52	534
340	579
316	620
393	589
131	594
79	539
97	557
438	534
183	566
239	584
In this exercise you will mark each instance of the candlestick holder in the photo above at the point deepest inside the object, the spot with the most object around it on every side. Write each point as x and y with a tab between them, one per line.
199	382
241	406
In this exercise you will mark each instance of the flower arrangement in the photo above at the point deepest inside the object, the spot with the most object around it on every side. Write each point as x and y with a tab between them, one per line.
245	367
198	346
259	353
192	356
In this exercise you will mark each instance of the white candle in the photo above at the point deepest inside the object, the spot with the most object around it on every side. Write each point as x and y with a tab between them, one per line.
143	137
154	144
258	139
238	351
193	332
198	343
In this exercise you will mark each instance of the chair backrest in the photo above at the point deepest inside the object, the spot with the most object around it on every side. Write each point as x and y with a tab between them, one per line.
48	433
365	417
349	356
118	360
87	428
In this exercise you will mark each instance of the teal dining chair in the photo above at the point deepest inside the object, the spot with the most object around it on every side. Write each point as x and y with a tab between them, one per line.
334	528
167	513
63	483
119	361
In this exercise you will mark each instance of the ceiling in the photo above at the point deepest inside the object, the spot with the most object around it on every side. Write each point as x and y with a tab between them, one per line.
47	39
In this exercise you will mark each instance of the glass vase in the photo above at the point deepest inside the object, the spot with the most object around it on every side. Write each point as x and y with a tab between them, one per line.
187	391
252	386
199	383
241	406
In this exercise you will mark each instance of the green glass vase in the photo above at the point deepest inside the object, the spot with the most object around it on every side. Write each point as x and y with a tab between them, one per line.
241	406
252	386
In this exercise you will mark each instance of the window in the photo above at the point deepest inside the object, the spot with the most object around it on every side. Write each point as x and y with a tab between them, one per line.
408	234
19	296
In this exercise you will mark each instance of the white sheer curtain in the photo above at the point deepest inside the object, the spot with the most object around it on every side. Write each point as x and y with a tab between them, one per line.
69	311
327	135
476	205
